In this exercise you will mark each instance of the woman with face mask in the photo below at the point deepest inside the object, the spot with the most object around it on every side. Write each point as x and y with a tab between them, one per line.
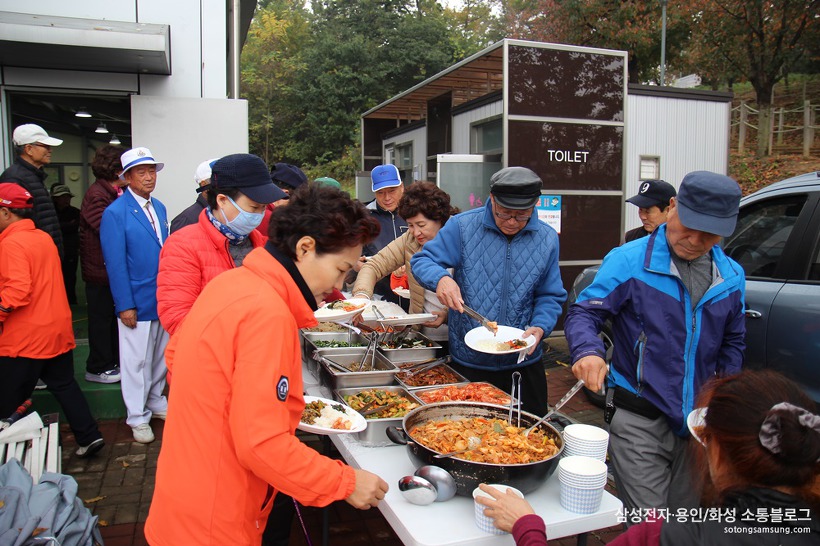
226	232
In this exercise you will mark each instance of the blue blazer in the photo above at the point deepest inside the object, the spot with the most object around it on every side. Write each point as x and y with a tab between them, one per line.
131	251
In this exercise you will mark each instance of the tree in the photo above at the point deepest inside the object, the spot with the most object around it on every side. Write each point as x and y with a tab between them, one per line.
760	40
630	25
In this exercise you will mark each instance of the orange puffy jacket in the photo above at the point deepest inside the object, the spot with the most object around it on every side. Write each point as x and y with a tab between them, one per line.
229	442
35	317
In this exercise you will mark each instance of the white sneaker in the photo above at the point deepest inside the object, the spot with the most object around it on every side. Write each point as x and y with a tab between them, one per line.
143	433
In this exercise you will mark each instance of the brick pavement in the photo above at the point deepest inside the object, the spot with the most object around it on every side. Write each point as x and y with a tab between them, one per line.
118	483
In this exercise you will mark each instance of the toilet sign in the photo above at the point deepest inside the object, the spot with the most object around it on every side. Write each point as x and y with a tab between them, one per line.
549	211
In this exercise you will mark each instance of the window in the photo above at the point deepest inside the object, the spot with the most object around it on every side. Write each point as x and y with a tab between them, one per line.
404	156
761	234
650	168
487	137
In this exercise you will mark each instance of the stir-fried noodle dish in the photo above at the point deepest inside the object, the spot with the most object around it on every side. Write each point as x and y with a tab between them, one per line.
500	442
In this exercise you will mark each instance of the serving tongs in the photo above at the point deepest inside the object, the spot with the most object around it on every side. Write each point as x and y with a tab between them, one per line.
319	358
557	406
515	394
488	324
370	350
423	368
377	409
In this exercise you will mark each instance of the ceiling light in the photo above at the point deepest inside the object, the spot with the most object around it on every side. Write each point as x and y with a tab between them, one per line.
114	140
101	128
82	113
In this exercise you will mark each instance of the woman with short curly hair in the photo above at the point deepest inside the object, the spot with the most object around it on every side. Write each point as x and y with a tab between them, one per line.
425	207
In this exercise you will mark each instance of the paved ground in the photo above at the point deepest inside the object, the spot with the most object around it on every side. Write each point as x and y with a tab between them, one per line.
118	483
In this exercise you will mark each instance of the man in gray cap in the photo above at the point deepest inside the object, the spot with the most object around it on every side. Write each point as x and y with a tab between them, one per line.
505	266
676	305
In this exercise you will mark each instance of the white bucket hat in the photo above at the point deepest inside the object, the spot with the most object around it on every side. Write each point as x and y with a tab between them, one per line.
138	156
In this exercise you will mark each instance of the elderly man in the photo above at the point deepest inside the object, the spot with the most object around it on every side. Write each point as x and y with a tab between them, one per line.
652	201
388	188
676	305
505	263
32	147
189	216
133	230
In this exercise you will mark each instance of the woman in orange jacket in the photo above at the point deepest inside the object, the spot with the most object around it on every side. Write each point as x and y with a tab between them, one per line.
229	444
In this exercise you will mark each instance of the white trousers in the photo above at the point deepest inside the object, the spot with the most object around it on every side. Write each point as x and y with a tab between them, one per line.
142	368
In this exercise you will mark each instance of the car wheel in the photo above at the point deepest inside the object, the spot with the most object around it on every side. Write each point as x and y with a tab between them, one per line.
599	399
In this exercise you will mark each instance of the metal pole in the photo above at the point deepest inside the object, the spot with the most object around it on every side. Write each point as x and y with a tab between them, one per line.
663	41
234	49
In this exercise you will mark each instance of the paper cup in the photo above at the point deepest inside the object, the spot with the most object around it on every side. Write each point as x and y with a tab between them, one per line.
486	523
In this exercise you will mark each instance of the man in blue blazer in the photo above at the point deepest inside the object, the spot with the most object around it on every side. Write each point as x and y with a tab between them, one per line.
133	230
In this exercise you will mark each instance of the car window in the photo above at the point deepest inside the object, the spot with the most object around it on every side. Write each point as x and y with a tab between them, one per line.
761	234
814	270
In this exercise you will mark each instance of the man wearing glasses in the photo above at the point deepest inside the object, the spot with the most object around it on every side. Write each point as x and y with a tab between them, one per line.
32	147
505	266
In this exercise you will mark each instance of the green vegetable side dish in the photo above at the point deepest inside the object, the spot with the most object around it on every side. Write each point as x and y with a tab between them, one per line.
335	343
381	398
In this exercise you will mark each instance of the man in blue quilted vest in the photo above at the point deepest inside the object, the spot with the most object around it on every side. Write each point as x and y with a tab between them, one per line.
505	266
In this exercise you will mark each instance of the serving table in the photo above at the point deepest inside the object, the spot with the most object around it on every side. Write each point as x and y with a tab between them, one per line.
452	523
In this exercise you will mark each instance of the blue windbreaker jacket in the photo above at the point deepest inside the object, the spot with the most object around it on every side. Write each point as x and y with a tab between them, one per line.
663	351
514	282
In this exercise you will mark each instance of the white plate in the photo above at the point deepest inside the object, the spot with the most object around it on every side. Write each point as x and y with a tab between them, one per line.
359	423
474	337
696	419
403	292
323	314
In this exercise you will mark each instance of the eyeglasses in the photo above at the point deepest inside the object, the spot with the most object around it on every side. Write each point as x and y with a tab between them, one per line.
520	218
40	145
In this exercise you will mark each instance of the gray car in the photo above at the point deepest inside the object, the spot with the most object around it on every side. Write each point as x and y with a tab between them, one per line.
777	241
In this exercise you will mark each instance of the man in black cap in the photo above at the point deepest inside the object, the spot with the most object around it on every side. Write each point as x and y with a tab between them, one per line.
505	266
652	201
676	305
288	177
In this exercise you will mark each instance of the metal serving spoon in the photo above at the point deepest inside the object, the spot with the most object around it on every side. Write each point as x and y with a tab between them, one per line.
558	406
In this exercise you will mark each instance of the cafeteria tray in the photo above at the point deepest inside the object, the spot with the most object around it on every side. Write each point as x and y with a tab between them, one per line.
384	374
375	434
460	378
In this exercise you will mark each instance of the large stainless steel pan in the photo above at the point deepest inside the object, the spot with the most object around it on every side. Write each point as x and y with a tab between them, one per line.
468	474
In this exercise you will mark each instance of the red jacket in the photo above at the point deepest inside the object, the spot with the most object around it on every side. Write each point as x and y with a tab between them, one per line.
35	319
229	442
190	258
99	195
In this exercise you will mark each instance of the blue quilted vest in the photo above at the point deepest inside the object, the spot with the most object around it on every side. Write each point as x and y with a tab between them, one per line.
498	278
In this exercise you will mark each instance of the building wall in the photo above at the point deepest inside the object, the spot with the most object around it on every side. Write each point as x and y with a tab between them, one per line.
463	121
198	58
687	135
419	139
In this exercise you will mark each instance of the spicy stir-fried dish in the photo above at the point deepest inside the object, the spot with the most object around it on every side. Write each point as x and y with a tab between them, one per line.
471	392
398	405
439	375
500	442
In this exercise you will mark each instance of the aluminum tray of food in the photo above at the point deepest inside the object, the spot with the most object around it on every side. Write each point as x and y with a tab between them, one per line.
314	366
331	342
373	398
414	346
465	392
377	370
431	377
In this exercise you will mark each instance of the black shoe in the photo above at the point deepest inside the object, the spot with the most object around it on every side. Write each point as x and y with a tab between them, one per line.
84	452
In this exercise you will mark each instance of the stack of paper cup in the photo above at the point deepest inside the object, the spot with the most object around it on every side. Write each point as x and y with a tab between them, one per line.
582	483
486	523
585	441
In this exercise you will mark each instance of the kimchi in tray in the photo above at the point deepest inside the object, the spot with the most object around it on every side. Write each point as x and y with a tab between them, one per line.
469	392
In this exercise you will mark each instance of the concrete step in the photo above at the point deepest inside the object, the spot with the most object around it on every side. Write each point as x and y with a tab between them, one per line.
105	400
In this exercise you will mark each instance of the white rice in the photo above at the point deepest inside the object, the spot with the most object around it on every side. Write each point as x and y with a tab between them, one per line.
329	416
489	345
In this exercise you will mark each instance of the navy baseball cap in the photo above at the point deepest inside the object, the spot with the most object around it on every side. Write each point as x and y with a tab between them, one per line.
290	176
247	173
709	202
653	193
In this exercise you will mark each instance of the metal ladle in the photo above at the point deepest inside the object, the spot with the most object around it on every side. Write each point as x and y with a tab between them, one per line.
558	406
473	442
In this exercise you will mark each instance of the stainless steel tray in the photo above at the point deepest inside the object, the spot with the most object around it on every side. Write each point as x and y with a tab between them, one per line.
384	373
418	392
461	379
414	354
375	434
